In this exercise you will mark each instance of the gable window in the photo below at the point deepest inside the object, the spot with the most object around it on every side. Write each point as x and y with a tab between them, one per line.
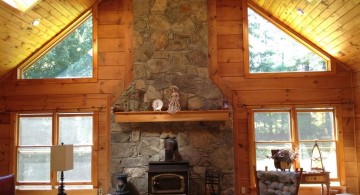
38	132
295	128
272	50
70	57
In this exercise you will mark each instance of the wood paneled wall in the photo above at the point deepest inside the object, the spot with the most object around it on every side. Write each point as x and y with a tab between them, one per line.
113	28
226	23
355	139
114	38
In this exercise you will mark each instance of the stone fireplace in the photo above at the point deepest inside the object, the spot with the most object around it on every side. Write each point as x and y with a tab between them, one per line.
171	48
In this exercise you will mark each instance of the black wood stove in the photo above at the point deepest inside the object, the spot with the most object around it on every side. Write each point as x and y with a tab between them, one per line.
168	178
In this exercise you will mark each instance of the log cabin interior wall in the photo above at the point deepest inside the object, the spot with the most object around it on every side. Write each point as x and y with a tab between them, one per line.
114	38
112	30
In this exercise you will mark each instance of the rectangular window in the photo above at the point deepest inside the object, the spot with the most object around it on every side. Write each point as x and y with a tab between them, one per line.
296	128
38	132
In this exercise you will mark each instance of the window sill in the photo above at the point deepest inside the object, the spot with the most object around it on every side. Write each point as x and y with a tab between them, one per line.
48	187
47	190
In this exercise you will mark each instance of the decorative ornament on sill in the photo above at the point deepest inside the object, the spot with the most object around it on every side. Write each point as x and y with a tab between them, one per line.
174	104
316	159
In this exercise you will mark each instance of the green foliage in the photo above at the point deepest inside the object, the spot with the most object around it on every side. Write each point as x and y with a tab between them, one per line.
70	58
272	50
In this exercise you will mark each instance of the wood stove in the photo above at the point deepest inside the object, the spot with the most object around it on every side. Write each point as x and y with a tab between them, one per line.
168	178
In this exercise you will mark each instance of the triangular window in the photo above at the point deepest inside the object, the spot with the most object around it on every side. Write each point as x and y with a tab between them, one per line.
70	57
271	50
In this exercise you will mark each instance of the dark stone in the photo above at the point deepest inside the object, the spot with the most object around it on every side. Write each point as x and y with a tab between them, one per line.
120	137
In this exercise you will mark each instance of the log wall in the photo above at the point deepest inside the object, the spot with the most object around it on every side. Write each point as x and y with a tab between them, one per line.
226	25
226	52
113	26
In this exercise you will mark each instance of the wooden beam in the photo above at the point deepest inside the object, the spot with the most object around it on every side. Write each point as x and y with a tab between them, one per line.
163	116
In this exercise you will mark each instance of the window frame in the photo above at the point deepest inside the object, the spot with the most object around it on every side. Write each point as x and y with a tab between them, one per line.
53	183
331	67
294	140
53	42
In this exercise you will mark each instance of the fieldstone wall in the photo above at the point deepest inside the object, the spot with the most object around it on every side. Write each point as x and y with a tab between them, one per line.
171	48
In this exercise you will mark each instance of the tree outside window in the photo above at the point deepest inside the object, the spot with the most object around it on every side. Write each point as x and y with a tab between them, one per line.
70	58
273	129
271	50
35	134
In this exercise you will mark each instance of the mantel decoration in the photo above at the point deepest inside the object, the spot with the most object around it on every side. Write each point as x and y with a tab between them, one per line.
174	104
283	158
157	105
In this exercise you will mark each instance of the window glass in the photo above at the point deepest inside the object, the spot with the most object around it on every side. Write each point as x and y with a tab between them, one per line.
78	130
271	50
70	58
272	126
317	126
82	165
272	130
35	131
263	154
33	164
35	140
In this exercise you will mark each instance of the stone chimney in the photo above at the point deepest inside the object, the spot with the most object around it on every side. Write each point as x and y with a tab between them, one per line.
171	49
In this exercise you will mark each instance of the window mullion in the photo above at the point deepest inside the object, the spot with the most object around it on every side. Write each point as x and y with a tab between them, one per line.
55	141
294	133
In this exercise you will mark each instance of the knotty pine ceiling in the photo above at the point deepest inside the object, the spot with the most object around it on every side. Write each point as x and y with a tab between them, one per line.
19	38
333	25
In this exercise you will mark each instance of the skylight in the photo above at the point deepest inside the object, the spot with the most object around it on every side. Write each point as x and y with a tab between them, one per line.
21	5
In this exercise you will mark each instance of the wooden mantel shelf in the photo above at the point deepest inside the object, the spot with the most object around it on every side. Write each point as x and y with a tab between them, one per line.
163	116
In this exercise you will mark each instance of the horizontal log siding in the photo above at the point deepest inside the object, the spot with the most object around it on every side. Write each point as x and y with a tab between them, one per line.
353	138
227	70
113	29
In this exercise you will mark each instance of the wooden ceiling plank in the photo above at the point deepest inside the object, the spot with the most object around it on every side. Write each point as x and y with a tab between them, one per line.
62	9
310	13
312	16
78	6
56	14
57	23
267	4
88	3
45	24
15	45
7	33
322	17
18	26
71	8
281	8
14	28
293	15
343	37
25	19
274	5
349	46
323	27
12	53
340	25
288	10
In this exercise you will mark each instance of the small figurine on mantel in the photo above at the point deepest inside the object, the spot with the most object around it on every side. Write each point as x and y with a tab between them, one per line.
174	104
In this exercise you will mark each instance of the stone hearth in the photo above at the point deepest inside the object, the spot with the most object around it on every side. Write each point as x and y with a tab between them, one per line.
171	48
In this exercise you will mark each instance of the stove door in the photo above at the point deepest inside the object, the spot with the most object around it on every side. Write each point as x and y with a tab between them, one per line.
167	183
